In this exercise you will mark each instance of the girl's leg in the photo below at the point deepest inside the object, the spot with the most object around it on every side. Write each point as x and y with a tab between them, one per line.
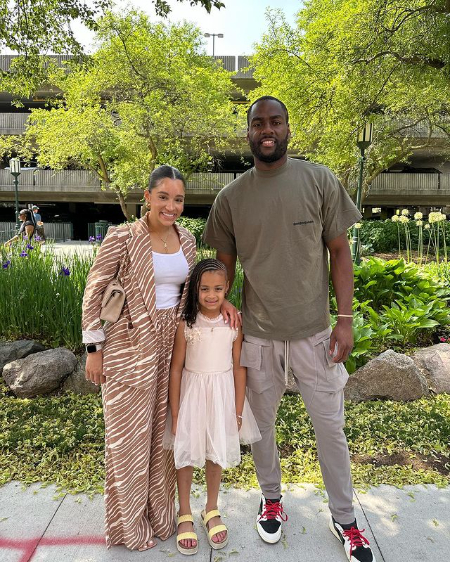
184	482
213	479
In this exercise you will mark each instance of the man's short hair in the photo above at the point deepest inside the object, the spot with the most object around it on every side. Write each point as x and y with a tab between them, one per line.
263	98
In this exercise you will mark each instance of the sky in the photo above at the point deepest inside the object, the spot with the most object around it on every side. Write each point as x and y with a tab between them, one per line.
242	22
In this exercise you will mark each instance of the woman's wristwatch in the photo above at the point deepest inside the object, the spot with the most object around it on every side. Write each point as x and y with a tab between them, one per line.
93	347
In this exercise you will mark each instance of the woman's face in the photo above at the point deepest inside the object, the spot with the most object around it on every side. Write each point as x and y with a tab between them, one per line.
22	217
166	202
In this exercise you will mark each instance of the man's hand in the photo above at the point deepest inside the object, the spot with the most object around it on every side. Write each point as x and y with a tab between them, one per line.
342	337
94	367
231	314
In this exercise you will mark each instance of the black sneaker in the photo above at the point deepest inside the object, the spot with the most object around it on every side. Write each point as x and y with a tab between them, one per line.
355	544
269	519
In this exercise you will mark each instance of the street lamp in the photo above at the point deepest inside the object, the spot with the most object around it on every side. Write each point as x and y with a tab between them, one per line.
213	35
14	168
363	142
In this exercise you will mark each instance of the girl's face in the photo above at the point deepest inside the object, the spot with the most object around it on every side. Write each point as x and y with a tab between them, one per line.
211	292
166	202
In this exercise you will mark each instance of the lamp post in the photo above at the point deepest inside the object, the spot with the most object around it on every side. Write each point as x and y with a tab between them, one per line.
14	168
363	142
213	35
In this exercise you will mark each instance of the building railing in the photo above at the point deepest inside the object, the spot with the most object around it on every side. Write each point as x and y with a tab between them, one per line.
83	180
13	123
6	60
414	184
58	231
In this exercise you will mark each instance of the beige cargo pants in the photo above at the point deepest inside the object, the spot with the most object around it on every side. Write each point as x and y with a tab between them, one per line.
321	383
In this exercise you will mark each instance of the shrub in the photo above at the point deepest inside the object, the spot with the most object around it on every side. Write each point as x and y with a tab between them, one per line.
195	226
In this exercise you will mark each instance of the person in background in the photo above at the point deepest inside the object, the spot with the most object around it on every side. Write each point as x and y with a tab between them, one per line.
39	224
26	229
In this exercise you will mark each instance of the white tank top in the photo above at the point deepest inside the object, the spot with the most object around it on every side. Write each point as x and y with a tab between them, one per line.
170	272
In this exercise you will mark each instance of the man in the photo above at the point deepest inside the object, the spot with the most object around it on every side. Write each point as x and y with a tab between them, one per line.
39	224
282	218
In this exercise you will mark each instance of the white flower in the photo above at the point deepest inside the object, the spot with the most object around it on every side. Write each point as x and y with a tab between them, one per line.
419	223
358	225
405	212
376	210
395	218
403	219
436	217
397	212
427	226
418	216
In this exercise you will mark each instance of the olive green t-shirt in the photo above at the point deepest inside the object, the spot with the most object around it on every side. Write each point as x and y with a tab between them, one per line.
278	222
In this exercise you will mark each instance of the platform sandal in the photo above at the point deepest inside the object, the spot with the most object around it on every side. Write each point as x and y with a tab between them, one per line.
206	517
189	535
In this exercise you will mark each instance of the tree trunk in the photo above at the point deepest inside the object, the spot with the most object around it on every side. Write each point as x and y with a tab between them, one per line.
123	205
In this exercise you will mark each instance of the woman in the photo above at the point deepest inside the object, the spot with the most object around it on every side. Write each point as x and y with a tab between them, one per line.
26	228
152	259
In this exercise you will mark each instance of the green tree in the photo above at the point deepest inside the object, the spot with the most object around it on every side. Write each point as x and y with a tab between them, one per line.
36	28
350	61
148	96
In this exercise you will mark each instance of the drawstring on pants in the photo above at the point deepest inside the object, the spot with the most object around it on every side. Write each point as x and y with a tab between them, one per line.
286	362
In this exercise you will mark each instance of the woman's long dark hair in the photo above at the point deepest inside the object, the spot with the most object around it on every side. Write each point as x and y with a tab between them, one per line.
191	307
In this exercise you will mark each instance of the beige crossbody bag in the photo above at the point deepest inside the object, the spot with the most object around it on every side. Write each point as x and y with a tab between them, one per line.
114	296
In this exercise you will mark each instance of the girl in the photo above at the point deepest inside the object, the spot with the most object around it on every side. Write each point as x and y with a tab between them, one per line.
209	412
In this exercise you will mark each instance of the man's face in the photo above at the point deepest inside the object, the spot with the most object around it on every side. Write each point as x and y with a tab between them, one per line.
268	132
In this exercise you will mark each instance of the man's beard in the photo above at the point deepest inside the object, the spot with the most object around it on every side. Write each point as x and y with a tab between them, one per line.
279	152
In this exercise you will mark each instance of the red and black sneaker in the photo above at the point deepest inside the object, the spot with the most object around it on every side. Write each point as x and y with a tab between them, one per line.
355	544
269	519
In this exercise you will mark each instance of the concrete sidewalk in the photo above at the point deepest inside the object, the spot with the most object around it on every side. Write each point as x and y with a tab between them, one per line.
412	524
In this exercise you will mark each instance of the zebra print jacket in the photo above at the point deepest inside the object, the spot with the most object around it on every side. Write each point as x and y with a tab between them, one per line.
129	353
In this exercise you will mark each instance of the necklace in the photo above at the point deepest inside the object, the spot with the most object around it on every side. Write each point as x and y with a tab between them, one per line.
166	249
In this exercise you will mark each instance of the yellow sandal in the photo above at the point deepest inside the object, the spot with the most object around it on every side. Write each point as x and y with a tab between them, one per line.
206	517
188	535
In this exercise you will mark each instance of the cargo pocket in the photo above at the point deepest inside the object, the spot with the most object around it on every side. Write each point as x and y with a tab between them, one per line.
256	357
331	376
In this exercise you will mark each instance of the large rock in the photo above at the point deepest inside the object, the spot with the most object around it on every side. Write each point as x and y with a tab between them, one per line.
39	373
434	363
76	382
17	350
391	375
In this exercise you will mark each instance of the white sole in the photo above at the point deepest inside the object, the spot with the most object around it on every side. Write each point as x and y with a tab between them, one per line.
270	538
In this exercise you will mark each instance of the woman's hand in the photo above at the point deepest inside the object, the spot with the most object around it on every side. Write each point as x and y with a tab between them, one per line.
239	421
231	313
94	367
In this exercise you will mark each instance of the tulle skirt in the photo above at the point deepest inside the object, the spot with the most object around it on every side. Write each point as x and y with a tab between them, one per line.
207	427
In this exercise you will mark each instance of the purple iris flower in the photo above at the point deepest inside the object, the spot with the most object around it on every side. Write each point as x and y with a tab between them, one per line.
99	237
6	264
23	254
91	239
65	271
37	238
30	247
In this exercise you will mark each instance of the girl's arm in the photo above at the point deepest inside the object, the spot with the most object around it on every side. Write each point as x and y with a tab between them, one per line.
240	378
29	229
176	370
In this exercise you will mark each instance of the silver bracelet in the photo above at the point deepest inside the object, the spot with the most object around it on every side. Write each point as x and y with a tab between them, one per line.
345	315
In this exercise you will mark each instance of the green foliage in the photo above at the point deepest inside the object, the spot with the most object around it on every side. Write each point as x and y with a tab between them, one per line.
349	61
148	96
195	227
41	295
60	440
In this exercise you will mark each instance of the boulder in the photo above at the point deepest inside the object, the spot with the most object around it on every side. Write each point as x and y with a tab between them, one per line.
17	350
39	373
76	382
391	375
434	364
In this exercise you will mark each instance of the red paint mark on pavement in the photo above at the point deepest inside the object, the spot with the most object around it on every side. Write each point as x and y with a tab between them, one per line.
28	546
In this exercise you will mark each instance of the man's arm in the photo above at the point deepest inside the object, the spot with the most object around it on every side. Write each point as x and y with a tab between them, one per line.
341	268
230	263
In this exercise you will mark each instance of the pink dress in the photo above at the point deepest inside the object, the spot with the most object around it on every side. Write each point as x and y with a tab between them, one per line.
207	428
